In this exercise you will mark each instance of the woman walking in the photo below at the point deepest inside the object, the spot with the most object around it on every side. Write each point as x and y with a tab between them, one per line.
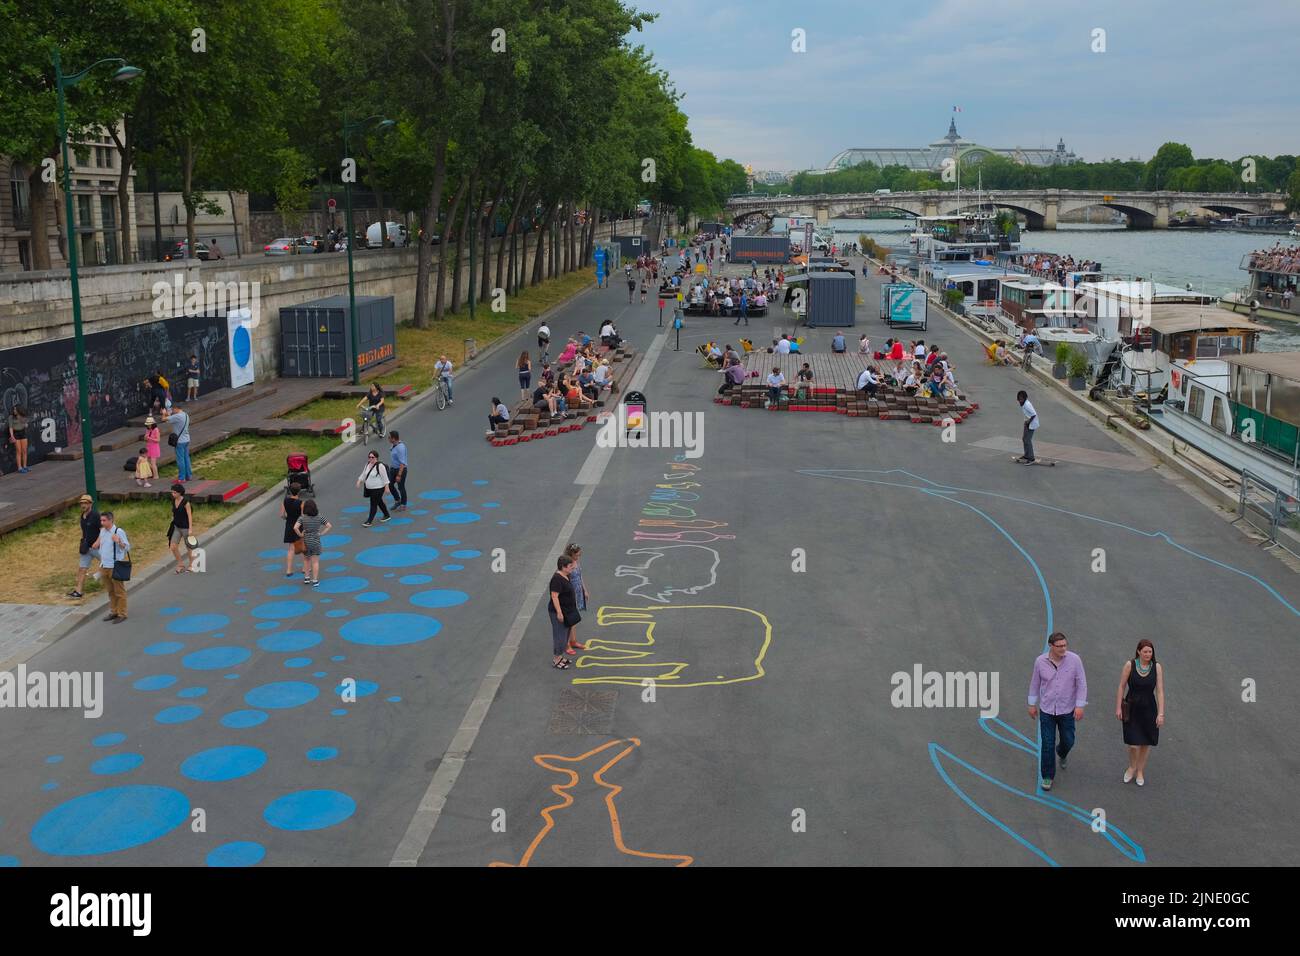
580	595
1140	706
373	481
18	435
291	511
153	443
562	611
525	369
178	533
310	526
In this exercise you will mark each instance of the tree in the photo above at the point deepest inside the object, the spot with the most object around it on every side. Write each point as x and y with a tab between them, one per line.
1168	157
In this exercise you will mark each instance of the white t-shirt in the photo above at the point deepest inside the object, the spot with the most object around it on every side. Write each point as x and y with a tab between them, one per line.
1030	415
544	332
443	368
502	412
920	352
866	378
776	379
607	329
783	346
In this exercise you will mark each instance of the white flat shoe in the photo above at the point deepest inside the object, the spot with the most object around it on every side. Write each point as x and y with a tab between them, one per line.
1128	776
1141	781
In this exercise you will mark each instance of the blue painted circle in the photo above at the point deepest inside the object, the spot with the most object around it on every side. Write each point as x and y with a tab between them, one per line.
280	695
54	758
491	504
241	346
155	682
106	821
339	657
415	579
453	567
309	810
267	625
223	763
343	585
399	520
450	542
334	540
363	688
289	641
279	610
417	535
337	613
8	861
372	597
51	785
230	676
322	753
397	555
439	597
467	553
298	662
197	623
439	494
216	658
108	740
164	647
458	517
180	714
455	505
239	719
395	699
190	692
238	853
168	611
283	590
123	673
389	630
480	481
116	763
339	712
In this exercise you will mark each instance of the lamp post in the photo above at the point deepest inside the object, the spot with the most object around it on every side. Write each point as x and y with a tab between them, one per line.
61	82
348	129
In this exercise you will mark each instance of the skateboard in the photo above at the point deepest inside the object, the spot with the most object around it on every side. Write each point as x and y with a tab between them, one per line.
1036	461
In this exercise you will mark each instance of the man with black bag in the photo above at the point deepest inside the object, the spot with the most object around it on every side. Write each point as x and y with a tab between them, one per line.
114	566
90	531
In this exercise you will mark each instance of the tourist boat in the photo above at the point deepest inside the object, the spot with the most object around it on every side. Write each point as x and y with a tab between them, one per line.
1270	276
961	238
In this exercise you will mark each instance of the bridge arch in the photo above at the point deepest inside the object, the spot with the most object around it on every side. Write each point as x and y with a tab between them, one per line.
1035	218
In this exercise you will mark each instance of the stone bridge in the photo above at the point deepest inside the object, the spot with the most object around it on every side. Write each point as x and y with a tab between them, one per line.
1040	207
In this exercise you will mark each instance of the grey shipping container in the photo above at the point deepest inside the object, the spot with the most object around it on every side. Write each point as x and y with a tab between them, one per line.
712	228
316	337
632	246
831	298
765	250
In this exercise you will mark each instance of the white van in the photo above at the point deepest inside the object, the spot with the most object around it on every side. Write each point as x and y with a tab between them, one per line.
882	192
396	234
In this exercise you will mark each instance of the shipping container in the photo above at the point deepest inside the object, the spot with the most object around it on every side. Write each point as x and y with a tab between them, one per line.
316	337
832	298
712	228
765	250
632	246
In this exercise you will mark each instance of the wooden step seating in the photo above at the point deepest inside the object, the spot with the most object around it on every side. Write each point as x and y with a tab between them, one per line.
835	376
530	424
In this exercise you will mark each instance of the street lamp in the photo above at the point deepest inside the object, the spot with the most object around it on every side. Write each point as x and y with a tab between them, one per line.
123	73
348	129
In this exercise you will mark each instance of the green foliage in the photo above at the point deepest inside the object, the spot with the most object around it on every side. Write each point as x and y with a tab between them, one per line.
1063	353
1077	366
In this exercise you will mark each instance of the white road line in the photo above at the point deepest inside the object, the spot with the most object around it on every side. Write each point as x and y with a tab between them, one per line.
427	814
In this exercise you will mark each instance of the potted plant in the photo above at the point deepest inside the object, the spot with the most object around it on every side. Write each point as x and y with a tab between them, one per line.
1062	360
953	298
1078	370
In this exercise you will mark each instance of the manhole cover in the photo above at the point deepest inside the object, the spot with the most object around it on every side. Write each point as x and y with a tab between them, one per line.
583	712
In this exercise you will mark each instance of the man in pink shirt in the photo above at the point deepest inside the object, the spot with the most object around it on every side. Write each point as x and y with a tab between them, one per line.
1058	692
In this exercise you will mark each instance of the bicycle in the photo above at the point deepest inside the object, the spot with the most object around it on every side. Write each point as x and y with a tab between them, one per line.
440	393
370	422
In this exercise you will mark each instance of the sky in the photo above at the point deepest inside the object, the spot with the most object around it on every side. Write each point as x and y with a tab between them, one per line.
1221	77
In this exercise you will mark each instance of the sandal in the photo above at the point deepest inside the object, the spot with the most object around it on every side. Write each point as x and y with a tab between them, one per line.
581	647
561	665
181	570
570	651
75	594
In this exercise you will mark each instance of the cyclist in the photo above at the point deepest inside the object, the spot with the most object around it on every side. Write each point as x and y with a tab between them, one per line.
373	401
443	369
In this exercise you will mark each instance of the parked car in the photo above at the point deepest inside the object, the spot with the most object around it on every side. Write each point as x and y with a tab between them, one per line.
397	235
181	250
309	245
281	247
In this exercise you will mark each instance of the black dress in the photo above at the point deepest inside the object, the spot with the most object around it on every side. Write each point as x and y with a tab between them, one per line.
1140	730
292	509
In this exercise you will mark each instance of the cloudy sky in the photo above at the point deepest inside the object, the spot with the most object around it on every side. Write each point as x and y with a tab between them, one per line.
889	72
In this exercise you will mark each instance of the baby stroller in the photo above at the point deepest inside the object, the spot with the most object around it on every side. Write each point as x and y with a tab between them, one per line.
299	472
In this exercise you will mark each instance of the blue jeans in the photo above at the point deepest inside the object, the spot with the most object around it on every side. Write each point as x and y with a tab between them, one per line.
446	384
183	469
1048	724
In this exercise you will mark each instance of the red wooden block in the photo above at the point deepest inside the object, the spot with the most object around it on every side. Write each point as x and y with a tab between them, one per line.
552	432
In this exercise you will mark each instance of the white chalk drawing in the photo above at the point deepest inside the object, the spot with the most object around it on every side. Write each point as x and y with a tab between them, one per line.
688	562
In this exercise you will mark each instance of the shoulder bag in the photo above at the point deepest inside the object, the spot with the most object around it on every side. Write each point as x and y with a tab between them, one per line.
121	568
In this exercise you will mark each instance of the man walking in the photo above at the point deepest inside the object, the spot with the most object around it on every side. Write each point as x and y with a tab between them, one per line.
87	550
179	419
1031	426
1058	692
397	471
114	548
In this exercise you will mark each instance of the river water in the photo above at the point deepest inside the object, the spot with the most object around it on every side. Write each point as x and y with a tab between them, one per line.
1209	259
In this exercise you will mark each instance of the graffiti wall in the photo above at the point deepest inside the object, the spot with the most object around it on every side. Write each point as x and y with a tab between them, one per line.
42	378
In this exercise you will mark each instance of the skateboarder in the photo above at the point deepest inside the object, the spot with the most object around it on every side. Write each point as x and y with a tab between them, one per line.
1031	426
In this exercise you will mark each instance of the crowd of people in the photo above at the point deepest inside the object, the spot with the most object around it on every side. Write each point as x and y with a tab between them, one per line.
1057	268
575	382
1280	258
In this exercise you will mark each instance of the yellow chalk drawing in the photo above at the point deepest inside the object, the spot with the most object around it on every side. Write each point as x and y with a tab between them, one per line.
620	749
682	484
711	645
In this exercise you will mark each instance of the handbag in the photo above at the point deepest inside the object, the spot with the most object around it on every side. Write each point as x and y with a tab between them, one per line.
300	546
173	439
572	619
121	569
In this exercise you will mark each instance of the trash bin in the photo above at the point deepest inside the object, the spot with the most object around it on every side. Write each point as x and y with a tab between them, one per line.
471	349
634	413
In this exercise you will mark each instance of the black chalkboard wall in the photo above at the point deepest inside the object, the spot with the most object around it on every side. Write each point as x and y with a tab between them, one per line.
42	378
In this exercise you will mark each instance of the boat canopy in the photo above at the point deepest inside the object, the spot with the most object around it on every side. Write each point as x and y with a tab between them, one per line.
1281	364
1171	319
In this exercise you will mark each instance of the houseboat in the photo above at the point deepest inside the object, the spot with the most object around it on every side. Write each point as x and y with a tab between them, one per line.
968	237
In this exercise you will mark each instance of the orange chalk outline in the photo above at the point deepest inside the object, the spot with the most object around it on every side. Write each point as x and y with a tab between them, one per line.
561	790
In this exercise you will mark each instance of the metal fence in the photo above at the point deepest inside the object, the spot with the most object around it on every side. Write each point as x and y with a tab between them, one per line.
1271	512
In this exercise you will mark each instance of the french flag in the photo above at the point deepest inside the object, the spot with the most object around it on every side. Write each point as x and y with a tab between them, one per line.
956	109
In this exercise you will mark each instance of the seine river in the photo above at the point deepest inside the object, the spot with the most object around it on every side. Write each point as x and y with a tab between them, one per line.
1209	259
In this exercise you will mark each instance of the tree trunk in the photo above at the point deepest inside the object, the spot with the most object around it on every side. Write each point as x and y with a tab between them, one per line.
539	261
508	283
424	261
465	225
485	285
187	191
40	195
439	304
126	153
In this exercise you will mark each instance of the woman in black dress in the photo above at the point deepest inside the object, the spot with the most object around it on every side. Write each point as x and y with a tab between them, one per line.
290	511
1142	689
178	534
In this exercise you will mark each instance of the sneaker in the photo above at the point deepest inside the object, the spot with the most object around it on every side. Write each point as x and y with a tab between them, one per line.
1141	781
366	524
315	584
1046	784
1062	762
385	518
110	617
451	401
